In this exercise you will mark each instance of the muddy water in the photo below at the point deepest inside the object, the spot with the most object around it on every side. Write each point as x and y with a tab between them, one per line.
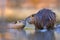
14	34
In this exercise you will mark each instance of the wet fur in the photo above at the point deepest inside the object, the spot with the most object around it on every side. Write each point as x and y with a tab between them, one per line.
44	18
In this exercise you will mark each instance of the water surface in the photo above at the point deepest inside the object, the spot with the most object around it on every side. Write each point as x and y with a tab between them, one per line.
14	34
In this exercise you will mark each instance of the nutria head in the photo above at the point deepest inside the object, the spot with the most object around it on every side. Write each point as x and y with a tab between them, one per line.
30	19
44	18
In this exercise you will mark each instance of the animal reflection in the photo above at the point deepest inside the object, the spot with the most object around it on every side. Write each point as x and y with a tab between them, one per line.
38	35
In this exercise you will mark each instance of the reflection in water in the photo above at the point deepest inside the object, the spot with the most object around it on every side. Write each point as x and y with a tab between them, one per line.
14	34
48	35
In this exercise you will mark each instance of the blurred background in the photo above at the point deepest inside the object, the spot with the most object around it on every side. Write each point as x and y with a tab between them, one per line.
11	10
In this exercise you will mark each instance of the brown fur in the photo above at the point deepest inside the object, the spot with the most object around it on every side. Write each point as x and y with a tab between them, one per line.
43	18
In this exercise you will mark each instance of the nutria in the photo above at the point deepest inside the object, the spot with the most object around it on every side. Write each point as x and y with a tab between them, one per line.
44	18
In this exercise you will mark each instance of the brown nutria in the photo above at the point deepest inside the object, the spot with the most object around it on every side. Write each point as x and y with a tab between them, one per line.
44	18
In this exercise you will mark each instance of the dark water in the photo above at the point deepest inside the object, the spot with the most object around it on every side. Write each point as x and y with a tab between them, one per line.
14	34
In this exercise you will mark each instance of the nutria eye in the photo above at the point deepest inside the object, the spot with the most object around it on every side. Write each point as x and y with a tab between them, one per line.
33	15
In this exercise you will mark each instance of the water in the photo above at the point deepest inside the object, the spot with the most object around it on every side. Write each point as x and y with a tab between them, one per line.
14	34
